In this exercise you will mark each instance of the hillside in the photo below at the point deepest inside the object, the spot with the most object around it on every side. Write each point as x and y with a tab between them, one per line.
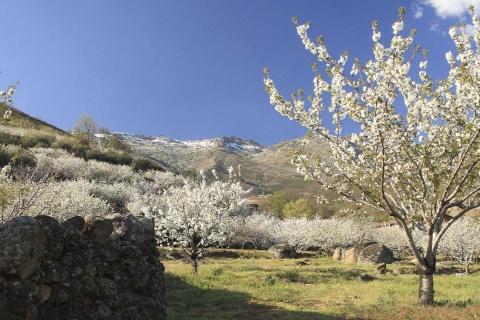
264	170
22	120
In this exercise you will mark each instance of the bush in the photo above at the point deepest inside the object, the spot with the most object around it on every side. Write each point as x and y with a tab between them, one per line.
65	199
110	157
7	138
4	158
38	140
19	156
144	164
67	145
73	146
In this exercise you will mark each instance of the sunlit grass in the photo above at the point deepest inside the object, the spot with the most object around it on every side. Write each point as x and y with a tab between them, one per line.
227	288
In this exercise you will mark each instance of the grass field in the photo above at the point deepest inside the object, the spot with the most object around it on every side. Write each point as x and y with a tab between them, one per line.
247	285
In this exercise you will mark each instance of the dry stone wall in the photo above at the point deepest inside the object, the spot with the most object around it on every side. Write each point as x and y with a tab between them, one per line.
92	268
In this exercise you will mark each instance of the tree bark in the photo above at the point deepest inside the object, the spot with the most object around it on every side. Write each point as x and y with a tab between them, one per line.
425	288
194	258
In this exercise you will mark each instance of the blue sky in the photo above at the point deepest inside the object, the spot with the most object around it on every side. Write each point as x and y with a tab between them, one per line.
190	69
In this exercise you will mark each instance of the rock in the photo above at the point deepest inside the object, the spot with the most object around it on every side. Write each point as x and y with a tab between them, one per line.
337	254
80	270
20	299
381	268
54	236
365	277
22	247
74	229
131	229
149	229
350	255
374	254
98	229
45	292
103	311
281	251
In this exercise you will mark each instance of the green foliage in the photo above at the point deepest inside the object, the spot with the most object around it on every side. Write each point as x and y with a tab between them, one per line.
4	158
7	138
144	164
299	208
23	158
64	144
19	119
17	156
109	156
116	144
41	140
278	200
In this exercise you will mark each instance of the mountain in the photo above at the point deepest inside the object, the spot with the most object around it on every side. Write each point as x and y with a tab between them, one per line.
263	169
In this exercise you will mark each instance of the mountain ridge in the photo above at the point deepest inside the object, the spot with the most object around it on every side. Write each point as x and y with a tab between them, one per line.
263	169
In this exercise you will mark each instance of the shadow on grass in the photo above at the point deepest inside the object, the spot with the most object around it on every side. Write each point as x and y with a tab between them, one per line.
188	302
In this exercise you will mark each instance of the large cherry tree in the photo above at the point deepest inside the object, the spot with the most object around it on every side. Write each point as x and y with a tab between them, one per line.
415	156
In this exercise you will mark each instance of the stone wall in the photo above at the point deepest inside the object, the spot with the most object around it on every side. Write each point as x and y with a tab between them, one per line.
92	268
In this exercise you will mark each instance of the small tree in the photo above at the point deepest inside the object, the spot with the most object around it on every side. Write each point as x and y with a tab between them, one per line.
415	156
85	128
277	201
299	208
197	214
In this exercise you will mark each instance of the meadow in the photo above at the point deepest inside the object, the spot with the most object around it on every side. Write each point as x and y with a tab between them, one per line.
243	284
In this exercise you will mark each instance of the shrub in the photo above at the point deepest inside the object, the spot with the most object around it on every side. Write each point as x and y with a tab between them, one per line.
109	156
119	193
143	164
37	140
7	138
64	144
69	167
66	199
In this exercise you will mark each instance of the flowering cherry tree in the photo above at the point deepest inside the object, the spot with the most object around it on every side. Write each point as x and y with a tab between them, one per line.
462	242
197	215
415	156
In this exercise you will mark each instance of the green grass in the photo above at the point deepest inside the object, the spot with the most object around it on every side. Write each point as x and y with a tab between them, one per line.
236	288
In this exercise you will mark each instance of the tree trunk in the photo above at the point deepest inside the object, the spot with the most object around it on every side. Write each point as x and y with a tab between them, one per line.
194	258
425	288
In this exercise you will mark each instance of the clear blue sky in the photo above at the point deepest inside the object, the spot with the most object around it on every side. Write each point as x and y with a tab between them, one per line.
189	69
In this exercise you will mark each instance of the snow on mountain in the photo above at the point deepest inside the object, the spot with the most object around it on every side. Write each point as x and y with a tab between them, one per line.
226	144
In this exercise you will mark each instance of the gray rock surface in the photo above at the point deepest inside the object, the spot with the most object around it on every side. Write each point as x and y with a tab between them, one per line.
102	268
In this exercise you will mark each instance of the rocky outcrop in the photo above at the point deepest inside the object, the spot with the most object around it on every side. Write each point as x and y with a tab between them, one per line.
93	268
281	251
364	253
375	254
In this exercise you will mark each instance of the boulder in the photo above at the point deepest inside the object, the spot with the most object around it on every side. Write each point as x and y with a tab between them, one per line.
98	229
350	255
337	254
23	247
281	251
381	268
131	229
74	229
375	254
55	235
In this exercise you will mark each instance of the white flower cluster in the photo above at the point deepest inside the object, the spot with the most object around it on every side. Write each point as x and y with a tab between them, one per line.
462	241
